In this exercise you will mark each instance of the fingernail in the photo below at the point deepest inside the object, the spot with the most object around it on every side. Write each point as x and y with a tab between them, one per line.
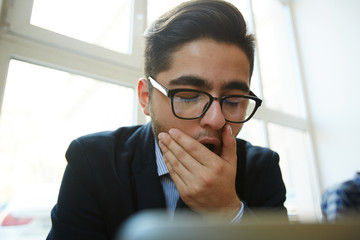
161	136
171	132
230	129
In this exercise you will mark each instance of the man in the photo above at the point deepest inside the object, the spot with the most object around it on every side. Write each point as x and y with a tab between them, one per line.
198	64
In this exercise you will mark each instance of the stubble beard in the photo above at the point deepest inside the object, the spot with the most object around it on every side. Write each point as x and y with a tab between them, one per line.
157	128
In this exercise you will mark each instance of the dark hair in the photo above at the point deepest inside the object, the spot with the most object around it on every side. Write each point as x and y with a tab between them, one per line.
214	19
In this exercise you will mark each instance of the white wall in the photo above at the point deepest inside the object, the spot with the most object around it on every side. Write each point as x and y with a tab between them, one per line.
328	34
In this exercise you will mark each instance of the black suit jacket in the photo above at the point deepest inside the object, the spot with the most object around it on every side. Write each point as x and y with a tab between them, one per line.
112	175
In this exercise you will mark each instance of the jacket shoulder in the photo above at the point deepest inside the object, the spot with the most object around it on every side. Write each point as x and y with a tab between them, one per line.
106	143
263	185
259	152
255	155
101	153
98	139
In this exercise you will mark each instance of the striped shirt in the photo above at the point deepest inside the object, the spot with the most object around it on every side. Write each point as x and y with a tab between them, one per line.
342	200
169	188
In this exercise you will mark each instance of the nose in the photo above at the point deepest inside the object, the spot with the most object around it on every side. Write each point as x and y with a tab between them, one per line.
214	117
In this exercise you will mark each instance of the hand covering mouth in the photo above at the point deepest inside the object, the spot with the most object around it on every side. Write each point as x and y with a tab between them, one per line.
213	144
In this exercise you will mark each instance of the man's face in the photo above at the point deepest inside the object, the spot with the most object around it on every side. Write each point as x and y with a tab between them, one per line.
217	68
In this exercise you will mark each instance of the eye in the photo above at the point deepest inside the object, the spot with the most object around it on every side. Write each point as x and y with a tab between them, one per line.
187	97
233	101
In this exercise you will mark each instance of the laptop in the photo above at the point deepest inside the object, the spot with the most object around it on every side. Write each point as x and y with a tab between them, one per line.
159	225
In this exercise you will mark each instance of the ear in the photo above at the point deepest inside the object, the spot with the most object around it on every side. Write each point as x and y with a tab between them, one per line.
143	95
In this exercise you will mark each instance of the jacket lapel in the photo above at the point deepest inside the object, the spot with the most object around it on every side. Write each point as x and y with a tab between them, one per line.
148	190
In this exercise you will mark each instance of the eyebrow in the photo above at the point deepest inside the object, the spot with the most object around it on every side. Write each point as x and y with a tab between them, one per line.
201	83
191	81
242	86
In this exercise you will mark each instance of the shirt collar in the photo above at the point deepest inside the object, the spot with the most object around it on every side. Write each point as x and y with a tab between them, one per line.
161	167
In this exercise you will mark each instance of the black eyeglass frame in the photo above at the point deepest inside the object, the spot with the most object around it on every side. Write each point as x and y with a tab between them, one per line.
171	92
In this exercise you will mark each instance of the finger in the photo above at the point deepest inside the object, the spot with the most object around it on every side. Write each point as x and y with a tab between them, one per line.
194	148
228	152
177	179
179	150
177	175
174	162
174	175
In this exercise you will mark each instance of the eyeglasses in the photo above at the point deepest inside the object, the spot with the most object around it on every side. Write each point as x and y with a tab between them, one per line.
192	104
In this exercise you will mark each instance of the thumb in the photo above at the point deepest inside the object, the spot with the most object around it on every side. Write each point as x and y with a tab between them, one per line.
228	152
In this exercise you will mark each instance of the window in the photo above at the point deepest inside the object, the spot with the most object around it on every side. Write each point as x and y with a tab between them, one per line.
103	23
296	161
109	30
43	110
59	82
283	117
274	55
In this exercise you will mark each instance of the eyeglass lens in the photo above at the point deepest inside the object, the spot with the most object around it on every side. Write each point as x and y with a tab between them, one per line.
191	105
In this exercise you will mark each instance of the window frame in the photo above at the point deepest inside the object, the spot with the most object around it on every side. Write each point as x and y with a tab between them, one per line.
21	41
303	123
18	23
